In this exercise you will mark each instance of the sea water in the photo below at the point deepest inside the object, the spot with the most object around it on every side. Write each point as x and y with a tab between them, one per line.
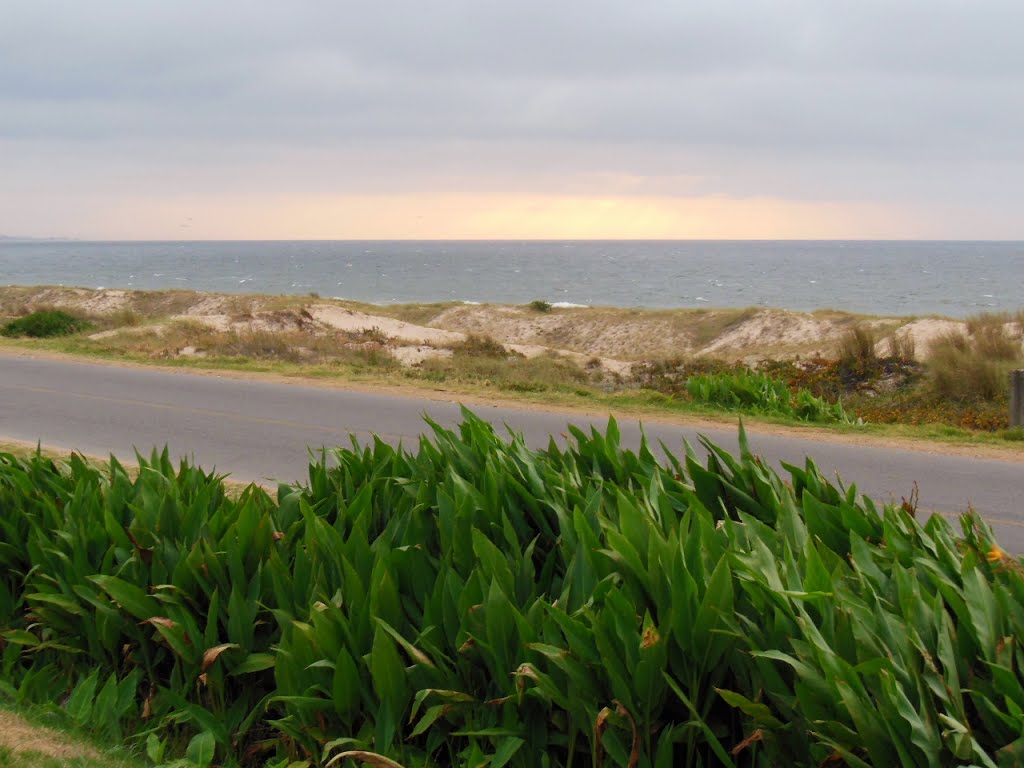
901	277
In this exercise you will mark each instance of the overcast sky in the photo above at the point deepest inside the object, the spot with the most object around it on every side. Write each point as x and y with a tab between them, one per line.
194	119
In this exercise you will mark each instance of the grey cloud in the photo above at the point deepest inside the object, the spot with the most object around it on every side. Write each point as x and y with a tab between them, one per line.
802	98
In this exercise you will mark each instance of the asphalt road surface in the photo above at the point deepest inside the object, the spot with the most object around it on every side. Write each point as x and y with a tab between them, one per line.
257	430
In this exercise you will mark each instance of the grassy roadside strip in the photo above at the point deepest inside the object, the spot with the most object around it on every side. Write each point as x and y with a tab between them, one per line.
34	738
647	405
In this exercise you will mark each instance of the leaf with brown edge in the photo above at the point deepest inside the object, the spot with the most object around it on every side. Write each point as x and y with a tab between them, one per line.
634	753
367	758
146	553
162	621
210	655
147	705
757	735
600	724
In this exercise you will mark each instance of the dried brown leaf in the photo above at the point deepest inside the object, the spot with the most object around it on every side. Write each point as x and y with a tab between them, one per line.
212	654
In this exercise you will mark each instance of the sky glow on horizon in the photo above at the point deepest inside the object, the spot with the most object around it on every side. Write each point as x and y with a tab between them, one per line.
256	120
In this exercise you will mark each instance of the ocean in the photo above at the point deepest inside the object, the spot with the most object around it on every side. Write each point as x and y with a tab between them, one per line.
874	277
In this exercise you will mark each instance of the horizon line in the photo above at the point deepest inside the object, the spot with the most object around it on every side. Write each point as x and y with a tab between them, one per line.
62	239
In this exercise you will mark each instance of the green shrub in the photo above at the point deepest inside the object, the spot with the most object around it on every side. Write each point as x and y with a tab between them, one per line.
1012	433
478	602
758	392
45	323
539	305
478	345
670	376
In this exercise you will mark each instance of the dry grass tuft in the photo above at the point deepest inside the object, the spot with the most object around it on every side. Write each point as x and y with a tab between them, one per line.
126	317
515	374
478	345
258	345
901	346
857	348
991	336
974	367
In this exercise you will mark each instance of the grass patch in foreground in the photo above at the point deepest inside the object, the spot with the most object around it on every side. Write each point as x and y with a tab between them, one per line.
474	601
37	739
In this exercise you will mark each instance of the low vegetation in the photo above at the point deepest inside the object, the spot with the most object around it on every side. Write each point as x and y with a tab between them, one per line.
44	324
42	738
757	392
857	350
475	602
974	366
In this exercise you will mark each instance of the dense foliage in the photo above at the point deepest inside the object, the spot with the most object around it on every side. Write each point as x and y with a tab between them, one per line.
757	392
476	602
44	323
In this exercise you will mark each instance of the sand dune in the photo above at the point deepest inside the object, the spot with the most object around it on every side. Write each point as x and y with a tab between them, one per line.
613	338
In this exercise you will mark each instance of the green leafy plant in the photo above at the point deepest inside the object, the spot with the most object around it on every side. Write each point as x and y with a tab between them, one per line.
475	601
45	323
758	392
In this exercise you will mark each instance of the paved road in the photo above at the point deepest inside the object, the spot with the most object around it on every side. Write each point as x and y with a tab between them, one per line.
261	430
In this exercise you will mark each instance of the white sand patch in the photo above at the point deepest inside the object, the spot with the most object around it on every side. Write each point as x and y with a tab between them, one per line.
214	322
536	350
773	329
352	321
208	305
138	330
620	334
105	302
410	355
926	331
609	365
618	367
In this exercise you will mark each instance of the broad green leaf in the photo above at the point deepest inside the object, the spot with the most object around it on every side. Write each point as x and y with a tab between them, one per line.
201	748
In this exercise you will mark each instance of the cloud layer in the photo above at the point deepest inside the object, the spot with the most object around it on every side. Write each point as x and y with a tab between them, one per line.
903	118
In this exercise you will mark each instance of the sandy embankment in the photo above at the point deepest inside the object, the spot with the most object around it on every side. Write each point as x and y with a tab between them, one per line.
615	339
